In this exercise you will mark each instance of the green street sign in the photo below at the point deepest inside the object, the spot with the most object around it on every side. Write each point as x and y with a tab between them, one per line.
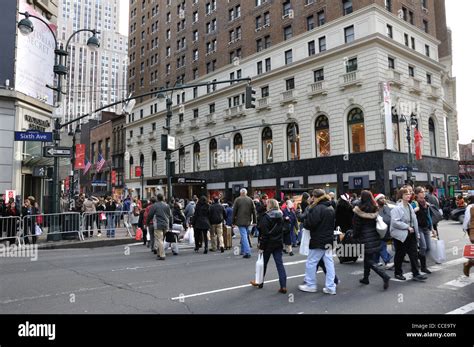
453	180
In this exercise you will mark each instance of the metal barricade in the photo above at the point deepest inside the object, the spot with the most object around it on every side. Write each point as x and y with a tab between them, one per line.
51	227
110	224
10	230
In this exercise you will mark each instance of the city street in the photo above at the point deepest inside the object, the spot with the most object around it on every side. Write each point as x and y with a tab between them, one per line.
130	280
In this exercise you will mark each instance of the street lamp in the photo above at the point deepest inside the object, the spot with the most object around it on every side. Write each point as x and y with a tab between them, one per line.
410	122
169	115
25	25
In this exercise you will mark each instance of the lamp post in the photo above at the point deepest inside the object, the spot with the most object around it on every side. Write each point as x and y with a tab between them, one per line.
26	27
410	121
73	162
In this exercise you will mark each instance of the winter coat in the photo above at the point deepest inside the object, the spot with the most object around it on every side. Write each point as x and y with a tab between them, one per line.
271	231
290	216
164	218
244	212
365	230
344	215
178	217
423	215
200	219
319	219
189	210
229	212
400	223
217	214
88	206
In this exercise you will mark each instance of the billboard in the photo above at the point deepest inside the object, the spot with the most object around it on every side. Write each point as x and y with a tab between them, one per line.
35	58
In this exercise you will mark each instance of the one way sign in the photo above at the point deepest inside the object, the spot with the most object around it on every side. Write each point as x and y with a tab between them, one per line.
49	152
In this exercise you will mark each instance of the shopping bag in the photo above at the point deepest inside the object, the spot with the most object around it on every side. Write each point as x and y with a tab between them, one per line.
381	227
38	230
259	269
468	251
148	235
139	234
178	227
304	245
39	219
102	216
438	251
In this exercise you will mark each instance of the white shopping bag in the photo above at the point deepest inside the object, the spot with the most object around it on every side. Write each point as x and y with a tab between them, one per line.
189	236
147	234
38	230
304	246
259	269
438	251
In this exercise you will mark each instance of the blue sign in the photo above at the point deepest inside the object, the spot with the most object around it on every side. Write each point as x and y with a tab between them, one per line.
33	136
404	168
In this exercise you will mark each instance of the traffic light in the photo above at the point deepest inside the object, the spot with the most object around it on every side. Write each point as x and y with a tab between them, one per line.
250	97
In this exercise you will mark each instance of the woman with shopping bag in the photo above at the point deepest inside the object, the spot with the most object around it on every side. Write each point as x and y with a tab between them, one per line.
270	242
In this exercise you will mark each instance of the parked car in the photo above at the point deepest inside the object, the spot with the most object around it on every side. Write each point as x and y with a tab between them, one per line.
458	214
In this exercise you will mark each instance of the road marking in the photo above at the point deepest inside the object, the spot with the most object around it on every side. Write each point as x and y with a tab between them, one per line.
456	284
453	241
295	262
463	310
434	268
230	288
356	273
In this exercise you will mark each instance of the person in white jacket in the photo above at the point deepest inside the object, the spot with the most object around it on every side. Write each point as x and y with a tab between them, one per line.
468	226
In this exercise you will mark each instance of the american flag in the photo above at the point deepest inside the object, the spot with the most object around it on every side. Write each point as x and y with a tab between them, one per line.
100	163
87	166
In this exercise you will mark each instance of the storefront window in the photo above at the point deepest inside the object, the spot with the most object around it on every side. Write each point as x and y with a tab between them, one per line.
356	131
432	131
182	160
154	167
293	141
323	144
130	168
396	132
267	145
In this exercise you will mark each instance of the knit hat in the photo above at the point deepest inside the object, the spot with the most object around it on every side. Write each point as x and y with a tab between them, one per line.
379	196
345	197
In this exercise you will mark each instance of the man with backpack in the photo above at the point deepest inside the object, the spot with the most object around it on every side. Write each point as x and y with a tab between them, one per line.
217	216
160	214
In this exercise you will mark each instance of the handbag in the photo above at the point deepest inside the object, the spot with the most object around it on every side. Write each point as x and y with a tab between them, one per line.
304	245
381	227
468	251
436	217
139	234
102	216
170	237
259	269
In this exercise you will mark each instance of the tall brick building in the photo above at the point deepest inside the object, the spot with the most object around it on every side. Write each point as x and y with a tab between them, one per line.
338	73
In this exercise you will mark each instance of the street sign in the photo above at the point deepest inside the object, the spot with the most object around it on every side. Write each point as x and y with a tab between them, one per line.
33	136
99	184
404	168
184	180
50	151
453	180
42	171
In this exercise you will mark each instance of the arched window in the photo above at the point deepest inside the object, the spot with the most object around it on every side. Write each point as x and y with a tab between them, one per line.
182	160
432	131
293	136
396	131
130	164
213	154
267	145
197	157
355	122
154	165
321	130
238	147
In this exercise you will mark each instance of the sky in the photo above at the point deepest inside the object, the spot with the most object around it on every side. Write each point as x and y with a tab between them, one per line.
459	16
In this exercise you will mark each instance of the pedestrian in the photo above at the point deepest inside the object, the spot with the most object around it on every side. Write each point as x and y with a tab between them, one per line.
189	210
160	215
11	225
110	209
344	213
289	236
365	231
29	211
243	216
425	226
217	216
229	210
101	218
88	208
201	224
301	208
320	222
433	200
149	226
405	235
134	215
270	242
384	212
468	227
333	199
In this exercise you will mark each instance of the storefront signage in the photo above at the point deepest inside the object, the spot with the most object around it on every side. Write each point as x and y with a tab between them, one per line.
358	182
184	180
36	123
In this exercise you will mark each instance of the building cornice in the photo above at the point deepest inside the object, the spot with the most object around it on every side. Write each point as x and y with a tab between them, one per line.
20	97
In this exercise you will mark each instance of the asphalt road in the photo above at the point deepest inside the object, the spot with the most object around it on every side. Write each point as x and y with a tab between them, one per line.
129	279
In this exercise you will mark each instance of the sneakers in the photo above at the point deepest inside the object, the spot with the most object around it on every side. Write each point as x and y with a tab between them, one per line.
99	234
160	258
328	291
364	280
291	254
306	288
222	249
247	256
426	271
255	284
282	290
389	266
386	282
400	277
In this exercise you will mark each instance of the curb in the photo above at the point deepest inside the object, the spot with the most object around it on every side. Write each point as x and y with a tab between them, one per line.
86	244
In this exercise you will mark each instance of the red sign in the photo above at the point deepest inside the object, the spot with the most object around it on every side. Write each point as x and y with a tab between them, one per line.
9	194
418	144
66	183
79	162
138	171
114	177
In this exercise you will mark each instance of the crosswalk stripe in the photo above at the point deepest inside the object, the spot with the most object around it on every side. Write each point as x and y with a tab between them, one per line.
463	310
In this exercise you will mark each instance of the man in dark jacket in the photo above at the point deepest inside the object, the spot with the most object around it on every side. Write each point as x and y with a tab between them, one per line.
217	216
243	216
160	214
320	221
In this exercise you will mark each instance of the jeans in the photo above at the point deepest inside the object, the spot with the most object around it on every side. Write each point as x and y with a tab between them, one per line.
110	225
386	257
278	257
244	239
314	256
425	241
